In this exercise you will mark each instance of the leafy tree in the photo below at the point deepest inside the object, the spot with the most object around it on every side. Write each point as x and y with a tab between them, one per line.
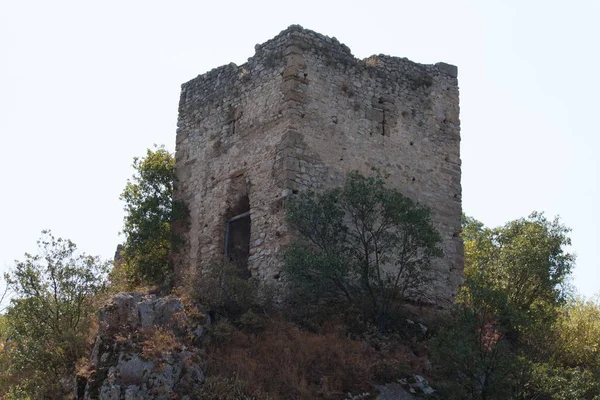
525	258
572	368
578	329
470	348
516	278
149	211
564	383
365	244
46	325
526	264
4	296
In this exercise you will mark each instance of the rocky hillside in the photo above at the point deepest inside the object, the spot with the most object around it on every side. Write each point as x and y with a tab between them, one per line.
139	352
148	347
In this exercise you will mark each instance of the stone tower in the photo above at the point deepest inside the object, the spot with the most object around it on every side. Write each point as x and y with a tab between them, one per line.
300	114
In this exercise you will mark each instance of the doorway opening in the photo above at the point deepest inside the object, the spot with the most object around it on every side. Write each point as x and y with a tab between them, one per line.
237	236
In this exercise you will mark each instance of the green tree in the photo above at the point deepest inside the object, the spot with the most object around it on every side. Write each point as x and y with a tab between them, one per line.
47	321
516	278
365	244
149	212
525	258
4	296
470	348
525	264
578	329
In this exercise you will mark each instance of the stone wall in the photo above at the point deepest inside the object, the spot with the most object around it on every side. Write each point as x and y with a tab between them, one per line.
300	114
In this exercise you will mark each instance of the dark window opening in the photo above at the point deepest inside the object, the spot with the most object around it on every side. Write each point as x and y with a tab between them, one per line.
237	237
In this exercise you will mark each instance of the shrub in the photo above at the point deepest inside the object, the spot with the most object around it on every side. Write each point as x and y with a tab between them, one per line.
564	383
471	351
220	289
364	245
47	322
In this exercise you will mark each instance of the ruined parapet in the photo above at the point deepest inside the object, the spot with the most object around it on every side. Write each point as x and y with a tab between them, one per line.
300	114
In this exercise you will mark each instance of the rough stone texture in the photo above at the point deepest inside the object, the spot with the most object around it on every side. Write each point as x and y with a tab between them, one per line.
119	370
300	114
393	391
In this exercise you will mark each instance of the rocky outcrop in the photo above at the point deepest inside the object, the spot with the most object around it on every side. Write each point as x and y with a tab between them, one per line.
142	351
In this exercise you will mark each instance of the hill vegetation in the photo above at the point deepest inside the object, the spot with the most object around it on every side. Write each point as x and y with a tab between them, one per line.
516	330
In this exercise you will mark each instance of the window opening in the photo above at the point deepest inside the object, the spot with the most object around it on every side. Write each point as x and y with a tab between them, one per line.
237	238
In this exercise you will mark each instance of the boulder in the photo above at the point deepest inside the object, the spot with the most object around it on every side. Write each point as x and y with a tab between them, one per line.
121	368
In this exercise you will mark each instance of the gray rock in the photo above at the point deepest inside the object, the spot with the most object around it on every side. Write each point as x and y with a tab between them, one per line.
198	334
119	370
416	384
112	392
423	385
165	309
393	391
146	313
121	311
134	392
133	369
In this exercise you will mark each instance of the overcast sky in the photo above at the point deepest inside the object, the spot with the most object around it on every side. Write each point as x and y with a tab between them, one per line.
86	86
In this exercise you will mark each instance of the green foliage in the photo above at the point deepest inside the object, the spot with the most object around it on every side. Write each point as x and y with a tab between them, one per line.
45	328
4	296
227	294
364	245
252	322
578	341
520	272
470	348
149	212
564	383
544	345
572	368
525	259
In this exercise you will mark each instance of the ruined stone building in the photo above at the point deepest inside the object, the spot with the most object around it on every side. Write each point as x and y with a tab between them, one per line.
300	114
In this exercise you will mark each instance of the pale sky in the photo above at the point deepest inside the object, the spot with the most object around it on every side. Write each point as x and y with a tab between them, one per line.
86	86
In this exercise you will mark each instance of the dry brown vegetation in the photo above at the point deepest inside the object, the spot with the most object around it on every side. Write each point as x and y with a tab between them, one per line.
285	362
158	342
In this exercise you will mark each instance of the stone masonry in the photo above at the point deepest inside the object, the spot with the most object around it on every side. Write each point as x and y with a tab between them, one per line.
300	114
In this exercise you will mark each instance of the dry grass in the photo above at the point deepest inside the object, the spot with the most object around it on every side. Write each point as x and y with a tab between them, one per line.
288	363
158	342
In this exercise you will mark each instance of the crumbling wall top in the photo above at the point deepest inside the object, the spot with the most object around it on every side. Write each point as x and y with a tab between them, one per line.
297	39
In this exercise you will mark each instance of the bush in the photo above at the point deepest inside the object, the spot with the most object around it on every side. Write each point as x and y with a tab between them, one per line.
564	383
364	245
470	350
220	289
47	322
